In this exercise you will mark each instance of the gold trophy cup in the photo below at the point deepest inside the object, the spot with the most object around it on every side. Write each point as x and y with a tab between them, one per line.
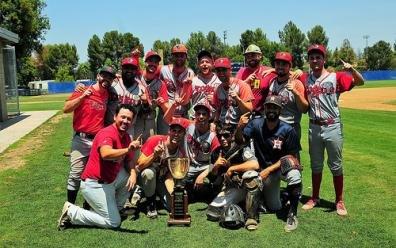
179	199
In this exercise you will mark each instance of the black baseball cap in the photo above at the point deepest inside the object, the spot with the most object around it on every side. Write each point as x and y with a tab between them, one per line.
108	69
276	100
204	53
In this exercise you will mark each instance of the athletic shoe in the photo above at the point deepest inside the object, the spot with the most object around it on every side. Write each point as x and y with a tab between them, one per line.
151	208
251	224
341	210
64	220
291	223
311	204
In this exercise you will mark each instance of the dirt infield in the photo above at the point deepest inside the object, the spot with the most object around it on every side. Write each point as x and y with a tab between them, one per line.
369	99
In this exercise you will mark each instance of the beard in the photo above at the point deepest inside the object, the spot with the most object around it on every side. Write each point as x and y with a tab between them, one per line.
253	63
128	78
272	116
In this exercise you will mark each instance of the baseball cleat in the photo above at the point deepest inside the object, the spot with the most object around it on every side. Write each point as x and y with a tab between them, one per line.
251	224
341	210
310	204
291	223
64	220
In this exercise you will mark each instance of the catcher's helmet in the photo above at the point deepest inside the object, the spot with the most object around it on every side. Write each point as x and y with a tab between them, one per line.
233	217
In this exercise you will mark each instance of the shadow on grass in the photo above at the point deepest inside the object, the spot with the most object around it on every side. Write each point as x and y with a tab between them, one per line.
327	206
122	230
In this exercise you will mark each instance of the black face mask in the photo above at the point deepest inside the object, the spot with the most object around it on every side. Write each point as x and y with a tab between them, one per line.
272	116
128	78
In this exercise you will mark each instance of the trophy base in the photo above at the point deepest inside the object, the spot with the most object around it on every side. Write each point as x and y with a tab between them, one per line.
183	221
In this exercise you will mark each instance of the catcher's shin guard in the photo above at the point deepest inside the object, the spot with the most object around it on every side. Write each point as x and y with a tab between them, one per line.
253	186
294	192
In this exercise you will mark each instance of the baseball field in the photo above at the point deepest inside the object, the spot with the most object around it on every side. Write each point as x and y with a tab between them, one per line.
33	180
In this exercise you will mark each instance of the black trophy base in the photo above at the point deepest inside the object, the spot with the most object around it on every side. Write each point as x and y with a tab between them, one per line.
179	208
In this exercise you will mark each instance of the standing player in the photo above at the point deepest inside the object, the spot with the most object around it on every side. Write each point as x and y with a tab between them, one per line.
257	76
275	144
325	128
105	182
88	107
205	83
291	91
233	97
177	77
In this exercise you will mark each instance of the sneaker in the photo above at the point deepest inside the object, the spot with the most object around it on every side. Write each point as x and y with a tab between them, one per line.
341	210
152	209
291	223
310	204
251	224
64	220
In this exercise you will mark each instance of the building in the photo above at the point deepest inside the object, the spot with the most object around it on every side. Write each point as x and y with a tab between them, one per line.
9	103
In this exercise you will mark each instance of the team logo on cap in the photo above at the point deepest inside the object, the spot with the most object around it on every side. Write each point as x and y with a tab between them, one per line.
277	144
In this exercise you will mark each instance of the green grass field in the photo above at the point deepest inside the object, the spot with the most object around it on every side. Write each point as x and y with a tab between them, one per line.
42	102
379	83
31	199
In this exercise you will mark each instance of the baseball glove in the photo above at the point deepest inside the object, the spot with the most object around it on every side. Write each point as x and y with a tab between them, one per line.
288	163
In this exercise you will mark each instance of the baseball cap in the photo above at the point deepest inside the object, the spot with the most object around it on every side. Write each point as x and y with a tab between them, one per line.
180	122
130	61
179	48
222	63
204	53
317	47
152	53
284	56
252	49
276	100
108	69
204	104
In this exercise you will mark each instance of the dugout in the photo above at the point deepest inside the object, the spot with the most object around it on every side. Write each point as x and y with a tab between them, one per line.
9	102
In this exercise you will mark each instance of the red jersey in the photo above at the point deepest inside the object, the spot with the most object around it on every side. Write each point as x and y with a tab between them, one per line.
106	170
88	117
260	87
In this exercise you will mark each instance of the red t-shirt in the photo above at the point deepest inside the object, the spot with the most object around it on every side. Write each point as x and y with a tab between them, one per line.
260	90
106	170
88	117
148	146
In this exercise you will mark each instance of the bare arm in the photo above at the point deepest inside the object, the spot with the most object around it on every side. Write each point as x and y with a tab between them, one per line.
245	166
109	153
146	161
302	103
358	79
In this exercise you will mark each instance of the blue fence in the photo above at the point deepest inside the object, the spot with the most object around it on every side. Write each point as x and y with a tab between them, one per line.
64	87
379	75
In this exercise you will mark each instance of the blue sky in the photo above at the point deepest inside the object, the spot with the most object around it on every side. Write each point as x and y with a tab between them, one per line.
76	21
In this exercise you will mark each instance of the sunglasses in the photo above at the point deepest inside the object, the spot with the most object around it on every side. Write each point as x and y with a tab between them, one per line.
225	135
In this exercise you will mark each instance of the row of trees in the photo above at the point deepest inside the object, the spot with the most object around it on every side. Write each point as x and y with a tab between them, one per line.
60	61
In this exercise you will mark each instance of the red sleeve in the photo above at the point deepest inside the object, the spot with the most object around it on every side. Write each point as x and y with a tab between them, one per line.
148	147
130	155
215	144
344	82
76	94
163	92
215	101
240	73
245	92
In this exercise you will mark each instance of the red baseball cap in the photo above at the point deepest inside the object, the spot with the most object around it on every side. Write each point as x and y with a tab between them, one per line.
180	122
284	56
179	48
205	104
130	61
222	63
152	53
318	48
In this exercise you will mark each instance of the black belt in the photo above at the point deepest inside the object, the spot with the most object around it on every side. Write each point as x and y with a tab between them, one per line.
322	122
99	181
85	135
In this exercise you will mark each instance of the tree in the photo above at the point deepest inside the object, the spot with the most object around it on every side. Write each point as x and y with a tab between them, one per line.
57	55
95	54
317	35
234	53
379	56
195	44
28	71
293	39
24	17
216	47
84	71
256	37
346	53
63	74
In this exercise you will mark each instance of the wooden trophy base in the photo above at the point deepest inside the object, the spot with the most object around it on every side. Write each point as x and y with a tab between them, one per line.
186	221
179	208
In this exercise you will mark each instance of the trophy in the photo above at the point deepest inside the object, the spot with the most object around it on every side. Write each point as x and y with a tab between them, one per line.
179	199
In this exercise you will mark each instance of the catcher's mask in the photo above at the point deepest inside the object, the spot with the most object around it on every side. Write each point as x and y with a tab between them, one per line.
233	217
